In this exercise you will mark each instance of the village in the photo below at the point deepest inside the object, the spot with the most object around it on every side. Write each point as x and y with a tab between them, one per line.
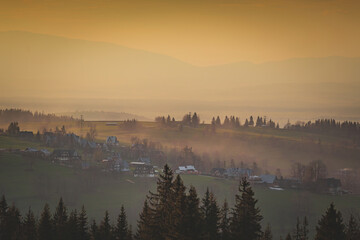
140	160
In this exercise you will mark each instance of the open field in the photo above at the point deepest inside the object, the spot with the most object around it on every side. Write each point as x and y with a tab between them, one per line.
47	182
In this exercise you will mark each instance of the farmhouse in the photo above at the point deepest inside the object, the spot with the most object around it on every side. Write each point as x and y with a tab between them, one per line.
26	134
218	172
189	169
142	170
329	185
238	172
62	155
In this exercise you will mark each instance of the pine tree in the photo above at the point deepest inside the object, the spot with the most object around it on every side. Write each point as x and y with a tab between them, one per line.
144	231
105	232
352	229
129	235
12	223
29	226
83	225
267	235
288	237
210	212
245	220
305	230
297	232
330	226
218	121
60	220
192	216
72	226
94	231
161	204
224	222
3	216
45	229
179	202
121	229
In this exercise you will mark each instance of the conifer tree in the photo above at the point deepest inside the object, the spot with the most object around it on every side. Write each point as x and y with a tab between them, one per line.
162	206
129	235
193	218
210	213
225	223
288	237
94	231
83	225
121	229
3	215
330	226
72	229
144	231
245	220
305	230
267	235
29	226
60	220
46	229
12	223
352	229
105	232
218	121
179	206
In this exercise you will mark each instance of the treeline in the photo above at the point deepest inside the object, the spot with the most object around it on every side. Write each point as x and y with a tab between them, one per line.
192	120
16	115
326	126
172	212
234	122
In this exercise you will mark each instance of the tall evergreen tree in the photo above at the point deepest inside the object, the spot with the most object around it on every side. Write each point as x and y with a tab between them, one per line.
245	220
210	213
330	226
129	235
94	231
60	220
352	229
12	223
105	230
144	231
83	225
288	237
267	235
193	218
29	226
179	205
72	226
3	216
161	204
121	229
225	222
45	228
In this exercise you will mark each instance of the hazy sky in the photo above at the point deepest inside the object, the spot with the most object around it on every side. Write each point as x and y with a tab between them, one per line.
200	32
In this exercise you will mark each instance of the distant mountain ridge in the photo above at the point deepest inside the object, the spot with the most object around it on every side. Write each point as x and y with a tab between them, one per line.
49	66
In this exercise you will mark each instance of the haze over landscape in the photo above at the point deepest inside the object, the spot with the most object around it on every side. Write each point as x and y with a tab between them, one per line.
180	120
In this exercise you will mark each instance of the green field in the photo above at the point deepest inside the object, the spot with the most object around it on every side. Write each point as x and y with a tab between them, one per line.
47	182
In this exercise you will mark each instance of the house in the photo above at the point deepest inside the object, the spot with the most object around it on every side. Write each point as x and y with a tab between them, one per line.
268	178
238	172
112	140
328	185
145	160
62	155
142	170
218	172
288	183
121	166
26	134
189	169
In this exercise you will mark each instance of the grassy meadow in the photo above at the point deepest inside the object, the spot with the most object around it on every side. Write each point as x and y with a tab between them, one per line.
46	182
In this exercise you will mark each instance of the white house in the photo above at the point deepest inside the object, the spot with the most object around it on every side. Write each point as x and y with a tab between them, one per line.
189	169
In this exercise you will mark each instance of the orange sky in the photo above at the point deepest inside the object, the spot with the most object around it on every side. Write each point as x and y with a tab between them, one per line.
201	32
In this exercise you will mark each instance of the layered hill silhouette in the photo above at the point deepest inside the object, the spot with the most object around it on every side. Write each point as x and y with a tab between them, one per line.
50	66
